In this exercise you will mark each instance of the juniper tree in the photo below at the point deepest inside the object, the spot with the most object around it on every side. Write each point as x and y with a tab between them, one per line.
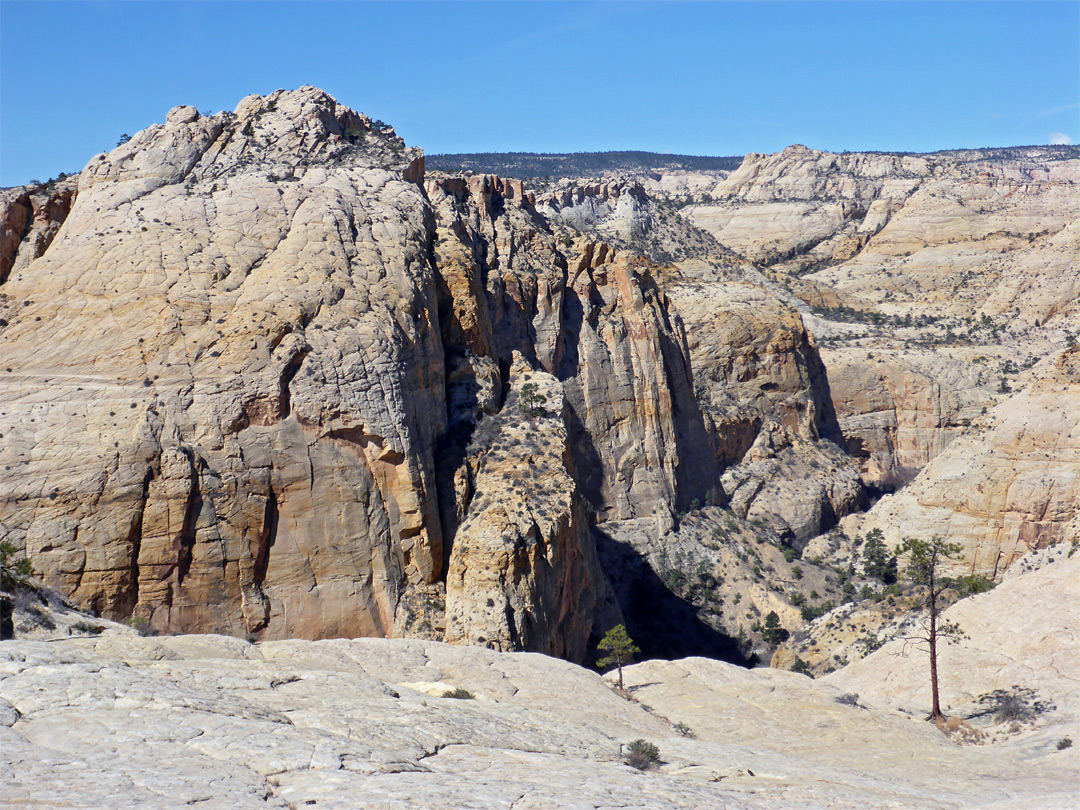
773	632
926	559
876	560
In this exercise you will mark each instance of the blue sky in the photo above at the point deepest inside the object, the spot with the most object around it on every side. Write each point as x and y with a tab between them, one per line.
716	78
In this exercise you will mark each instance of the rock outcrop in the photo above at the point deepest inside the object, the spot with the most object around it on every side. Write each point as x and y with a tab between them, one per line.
237	331
756	366
121	721
523	571
894	417
592	316
30	218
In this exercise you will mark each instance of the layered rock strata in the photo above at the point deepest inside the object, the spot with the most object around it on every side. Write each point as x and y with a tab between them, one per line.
973	253
1005	490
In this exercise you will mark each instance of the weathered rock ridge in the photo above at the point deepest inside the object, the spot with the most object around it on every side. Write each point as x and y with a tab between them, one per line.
972	252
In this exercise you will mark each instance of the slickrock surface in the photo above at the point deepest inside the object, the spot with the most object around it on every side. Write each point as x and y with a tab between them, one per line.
1004	490
123	721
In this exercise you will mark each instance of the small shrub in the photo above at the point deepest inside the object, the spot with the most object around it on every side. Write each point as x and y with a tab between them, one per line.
811	612
642	755
1012	709
1016	705
684	730
972	584
848	699
88	628
35	617
1063	743
801	667
13	572
141	625
773	633
458	693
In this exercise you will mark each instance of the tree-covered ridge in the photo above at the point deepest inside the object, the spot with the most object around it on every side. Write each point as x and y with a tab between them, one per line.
577	164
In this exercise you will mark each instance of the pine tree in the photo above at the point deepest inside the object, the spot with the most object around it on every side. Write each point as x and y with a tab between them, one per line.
619	647
876	560
923	569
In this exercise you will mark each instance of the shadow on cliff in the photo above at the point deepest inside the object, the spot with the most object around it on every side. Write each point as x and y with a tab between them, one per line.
664	625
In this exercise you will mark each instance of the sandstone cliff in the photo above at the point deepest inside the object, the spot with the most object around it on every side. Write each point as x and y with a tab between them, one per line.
971	253
757	368
208	326
30	218
244	380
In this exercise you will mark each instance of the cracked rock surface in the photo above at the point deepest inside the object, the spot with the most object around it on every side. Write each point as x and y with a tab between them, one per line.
126	721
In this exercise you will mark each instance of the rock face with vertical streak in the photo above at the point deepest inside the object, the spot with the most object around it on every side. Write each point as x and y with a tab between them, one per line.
592	316
30	218
893	416
226	377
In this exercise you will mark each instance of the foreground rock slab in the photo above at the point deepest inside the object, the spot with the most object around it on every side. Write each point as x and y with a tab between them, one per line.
122	721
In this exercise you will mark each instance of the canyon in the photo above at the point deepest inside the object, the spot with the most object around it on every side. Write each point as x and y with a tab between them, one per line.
268	377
